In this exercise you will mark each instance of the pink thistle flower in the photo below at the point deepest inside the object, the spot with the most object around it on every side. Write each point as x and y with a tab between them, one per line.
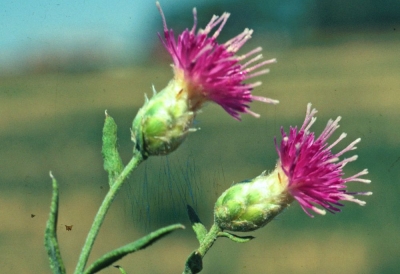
314	175
209	71
307	171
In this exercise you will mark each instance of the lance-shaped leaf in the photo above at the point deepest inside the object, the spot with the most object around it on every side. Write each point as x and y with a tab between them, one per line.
197	226
113	256
50	235
112	160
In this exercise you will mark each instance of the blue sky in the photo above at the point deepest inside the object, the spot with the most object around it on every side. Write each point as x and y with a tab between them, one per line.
27	26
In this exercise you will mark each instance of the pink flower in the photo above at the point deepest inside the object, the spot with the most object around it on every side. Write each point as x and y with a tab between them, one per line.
209	71
314	175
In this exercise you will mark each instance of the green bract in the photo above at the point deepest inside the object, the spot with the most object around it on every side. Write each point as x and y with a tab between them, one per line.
163	122
251	204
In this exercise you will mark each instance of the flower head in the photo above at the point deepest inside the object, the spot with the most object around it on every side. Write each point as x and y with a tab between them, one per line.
209	71
203	71
307	171
312	172
251	204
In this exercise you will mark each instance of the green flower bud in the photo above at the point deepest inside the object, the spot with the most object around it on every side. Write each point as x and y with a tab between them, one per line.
251	204
163	122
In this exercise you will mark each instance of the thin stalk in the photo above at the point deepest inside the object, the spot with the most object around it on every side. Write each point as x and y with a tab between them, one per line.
194	264
209	240
101	213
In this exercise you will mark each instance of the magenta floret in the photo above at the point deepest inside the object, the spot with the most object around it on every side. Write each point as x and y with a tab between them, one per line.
213	70
315	173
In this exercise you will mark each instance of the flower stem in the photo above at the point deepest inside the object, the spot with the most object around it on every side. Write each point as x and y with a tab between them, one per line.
101	213
194	263
209	240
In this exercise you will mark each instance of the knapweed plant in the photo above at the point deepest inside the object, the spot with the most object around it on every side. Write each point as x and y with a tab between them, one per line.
307	171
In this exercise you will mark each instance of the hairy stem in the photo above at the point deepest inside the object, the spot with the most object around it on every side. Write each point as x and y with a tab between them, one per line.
101	213
194	263
209	240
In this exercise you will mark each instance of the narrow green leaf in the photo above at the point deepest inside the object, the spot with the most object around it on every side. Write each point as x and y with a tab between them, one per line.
112	160
113	256
50	235
199	229
236	238
120	269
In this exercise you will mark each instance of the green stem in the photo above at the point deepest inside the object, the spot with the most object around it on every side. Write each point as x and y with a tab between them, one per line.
209	240
101	213
194	263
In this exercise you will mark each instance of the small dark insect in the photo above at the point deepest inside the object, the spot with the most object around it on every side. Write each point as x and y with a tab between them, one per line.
68	227
33	215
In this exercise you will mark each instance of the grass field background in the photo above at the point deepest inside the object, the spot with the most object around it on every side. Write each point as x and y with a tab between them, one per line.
54	121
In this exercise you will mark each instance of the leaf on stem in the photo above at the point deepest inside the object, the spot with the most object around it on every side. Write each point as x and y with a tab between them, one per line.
113	256
236	238
194	264
197	226
50	235
112	160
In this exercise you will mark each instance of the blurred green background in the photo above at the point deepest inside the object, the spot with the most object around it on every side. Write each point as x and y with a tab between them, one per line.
346	64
